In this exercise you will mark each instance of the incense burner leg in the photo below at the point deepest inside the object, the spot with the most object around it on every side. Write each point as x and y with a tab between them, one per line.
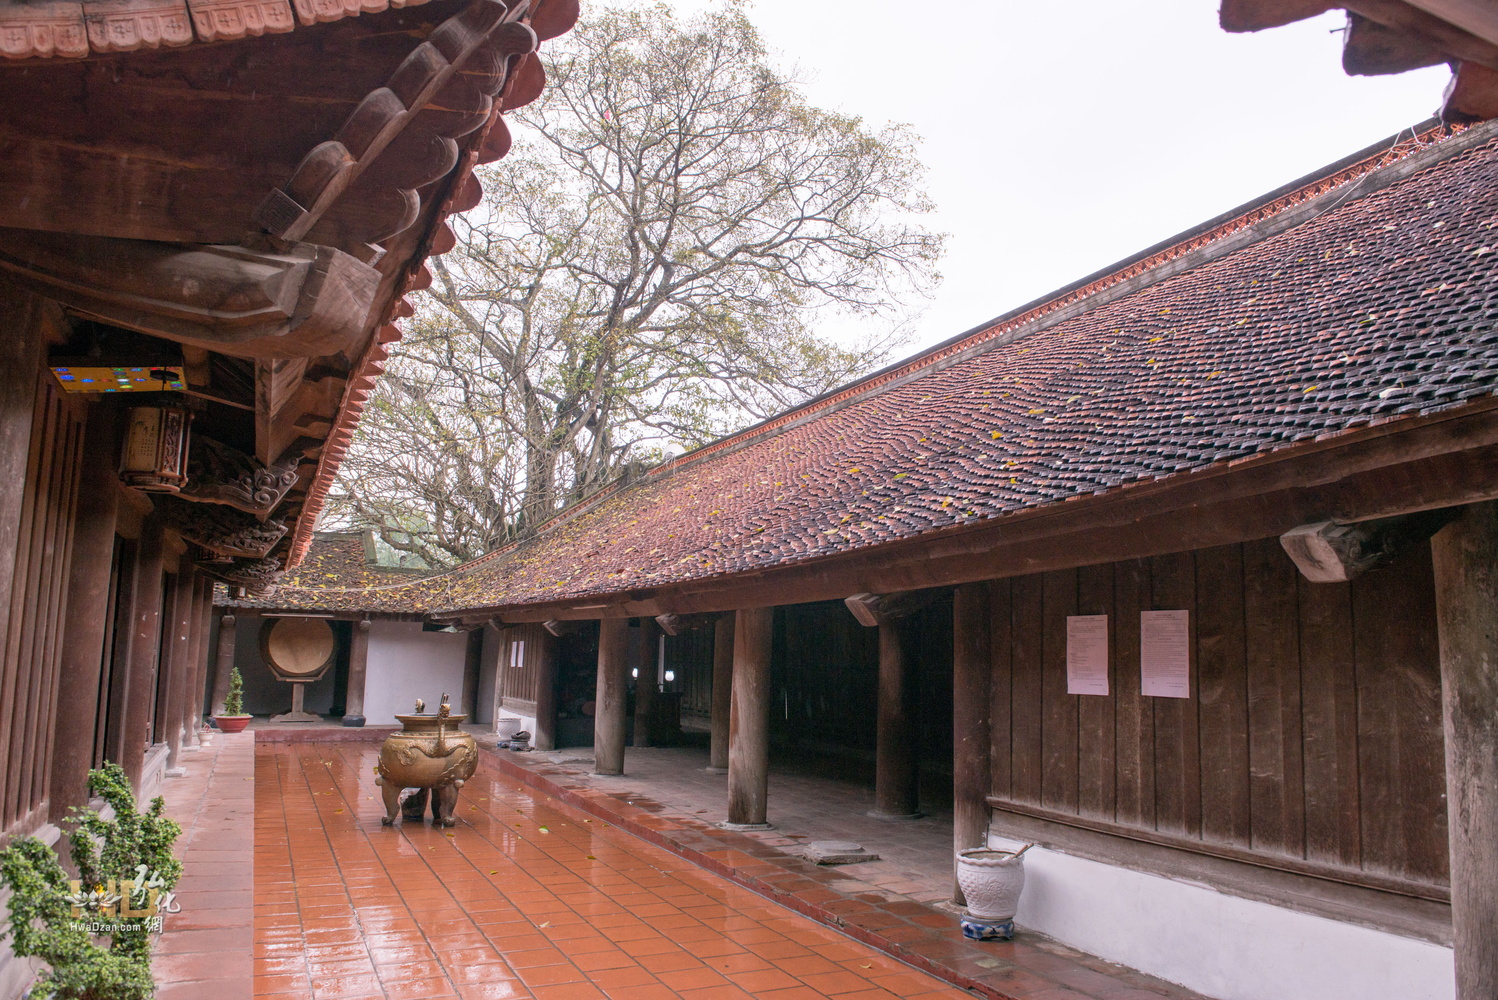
444	801
392	795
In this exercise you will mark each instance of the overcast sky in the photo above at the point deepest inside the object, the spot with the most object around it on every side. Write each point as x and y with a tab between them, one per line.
1063	135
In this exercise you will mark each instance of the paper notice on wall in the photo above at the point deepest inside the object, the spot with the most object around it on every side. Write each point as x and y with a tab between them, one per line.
1087	654
1165	654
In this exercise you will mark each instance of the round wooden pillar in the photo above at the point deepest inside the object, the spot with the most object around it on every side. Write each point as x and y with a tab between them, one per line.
145	635
749	727
895	771
613	683
223	663
358	671
1466	572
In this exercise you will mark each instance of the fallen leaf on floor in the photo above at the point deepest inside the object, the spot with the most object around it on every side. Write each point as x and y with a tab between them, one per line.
547	924
494	872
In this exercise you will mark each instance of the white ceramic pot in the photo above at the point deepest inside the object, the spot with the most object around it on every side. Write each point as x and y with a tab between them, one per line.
506	727
991	881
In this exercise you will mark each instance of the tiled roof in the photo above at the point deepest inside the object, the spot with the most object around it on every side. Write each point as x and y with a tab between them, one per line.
337	575
1379	305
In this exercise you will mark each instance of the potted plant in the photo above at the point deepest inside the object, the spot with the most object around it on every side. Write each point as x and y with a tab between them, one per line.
95	931
233	720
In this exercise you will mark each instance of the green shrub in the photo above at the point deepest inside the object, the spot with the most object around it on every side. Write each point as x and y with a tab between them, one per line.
234	700
42	924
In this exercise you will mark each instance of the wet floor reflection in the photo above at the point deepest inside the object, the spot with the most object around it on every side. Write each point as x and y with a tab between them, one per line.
524	897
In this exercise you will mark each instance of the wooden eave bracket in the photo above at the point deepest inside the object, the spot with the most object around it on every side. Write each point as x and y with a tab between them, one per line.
1328	552
310	301
879	609
677	624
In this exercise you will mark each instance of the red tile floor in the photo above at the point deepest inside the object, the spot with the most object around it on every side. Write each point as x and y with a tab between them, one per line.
526	897
545	889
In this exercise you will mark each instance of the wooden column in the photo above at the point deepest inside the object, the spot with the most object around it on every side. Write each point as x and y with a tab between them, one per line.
20	360
972	752
717	760
646	684
545	736
1466	571
358	672
177	649
613	684
88	595
895	773
145	633
192	688
223	663
749	728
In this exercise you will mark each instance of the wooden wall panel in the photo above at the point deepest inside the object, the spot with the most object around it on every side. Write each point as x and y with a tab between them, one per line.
1134	714
36	616
1096	741
1027	704
1402	778
824	677
1001	686
1058	783
1271	633
1223	696
1329	706
1177	752
517	684
1311	740
690	655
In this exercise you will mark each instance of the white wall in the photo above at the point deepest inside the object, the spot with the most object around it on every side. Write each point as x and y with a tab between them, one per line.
406	663
1221	945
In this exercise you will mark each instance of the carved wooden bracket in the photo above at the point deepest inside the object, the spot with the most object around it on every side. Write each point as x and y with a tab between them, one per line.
309	301
1328	552
221	530
456	71
879	609
259	576
219	474
677	624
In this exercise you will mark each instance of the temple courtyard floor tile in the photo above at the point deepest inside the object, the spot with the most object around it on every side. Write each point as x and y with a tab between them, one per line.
551	886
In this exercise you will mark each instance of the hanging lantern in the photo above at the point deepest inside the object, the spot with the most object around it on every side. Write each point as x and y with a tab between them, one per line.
155	455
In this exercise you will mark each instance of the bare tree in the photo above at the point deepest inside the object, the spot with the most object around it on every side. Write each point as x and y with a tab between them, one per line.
644	274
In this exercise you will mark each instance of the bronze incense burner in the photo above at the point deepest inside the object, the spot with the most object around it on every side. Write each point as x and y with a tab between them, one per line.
431	755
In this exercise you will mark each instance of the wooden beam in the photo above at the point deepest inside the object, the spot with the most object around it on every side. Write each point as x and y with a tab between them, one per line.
305	301
1454	41
1328	552
561	628
1256	15
1466	573
895	772
1476	17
